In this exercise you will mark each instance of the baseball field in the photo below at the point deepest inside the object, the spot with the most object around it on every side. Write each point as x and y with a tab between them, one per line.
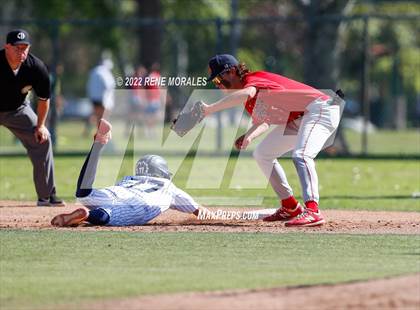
219	89
365	257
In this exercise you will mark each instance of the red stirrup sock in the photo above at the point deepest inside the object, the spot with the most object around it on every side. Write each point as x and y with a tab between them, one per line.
311	205
289	203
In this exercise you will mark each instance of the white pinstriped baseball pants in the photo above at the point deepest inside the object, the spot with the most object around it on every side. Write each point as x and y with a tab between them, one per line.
318	123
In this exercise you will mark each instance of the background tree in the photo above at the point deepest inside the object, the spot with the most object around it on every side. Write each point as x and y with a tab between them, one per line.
150	32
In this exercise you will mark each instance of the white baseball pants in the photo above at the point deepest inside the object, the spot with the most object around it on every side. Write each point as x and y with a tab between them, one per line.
318	124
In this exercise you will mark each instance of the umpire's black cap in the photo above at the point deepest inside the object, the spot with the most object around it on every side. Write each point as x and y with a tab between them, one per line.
18	36
220	63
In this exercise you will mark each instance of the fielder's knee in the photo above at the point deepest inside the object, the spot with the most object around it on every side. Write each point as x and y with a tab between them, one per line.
299	157
259	156
255	154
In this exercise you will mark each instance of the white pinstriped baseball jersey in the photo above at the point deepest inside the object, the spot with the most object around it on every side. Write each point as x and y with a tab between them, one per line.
135	200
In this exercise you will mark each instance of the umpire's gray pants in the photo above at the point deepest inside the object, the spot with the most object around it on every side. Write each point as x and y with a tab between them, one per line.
22	123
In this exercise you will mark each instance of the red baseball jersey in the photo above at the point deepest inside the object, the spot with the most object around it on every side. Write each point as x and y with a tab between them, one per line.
288	100
153	88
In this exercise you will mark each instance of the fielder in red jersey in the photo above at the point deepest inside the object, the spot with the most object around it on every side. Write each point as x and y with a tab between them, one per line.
303	119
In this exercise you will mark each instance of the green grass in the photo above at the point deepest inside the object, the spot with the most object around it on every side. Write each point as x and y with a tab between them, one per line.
405	142
47	267
72	137
41	268
344	183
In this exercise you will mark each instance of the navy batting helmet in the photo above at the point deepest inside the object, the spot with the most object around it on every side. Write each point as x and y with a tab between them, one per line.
153	166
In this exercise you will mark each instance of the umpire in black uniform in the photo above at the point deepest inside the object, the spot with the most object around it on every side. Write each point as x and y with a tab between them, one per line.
21	72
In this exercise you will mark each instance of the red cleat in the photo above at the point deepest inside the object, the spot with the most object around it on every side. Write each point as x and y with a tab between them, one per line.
103	134
306	219
284	214
70	219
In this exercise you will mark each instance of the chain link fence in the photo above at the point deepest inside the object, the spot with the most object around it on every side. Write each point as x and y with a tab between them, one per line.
376	68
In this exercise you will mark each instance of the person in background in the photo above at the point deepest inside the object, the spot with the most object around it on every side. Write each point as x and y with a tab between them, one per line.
137	100
153	111
101	90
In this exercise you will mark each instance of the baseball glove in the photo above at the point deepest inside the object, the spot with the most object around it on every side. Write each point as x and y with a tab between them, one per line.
188	118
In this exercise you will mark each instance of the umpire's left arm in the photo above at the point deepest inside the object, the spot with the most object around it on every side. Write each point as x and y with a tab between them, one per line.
42	88
41	132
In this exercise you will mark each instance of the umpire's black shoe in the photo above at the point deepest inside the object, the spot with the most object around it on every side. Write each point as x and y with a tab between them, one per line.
53	201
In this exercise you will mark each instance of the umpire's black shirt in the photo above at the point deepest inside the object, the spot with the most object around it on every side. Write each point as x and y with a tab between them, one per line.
32	74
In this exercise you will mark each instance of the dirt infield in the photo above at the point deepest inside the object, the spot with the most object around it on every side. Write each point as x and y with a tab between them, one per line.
24	215
396	293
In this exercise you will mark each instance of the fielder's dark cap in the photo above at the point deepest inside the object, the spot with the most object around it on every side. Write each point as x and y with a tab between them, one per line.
221	63
18	36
